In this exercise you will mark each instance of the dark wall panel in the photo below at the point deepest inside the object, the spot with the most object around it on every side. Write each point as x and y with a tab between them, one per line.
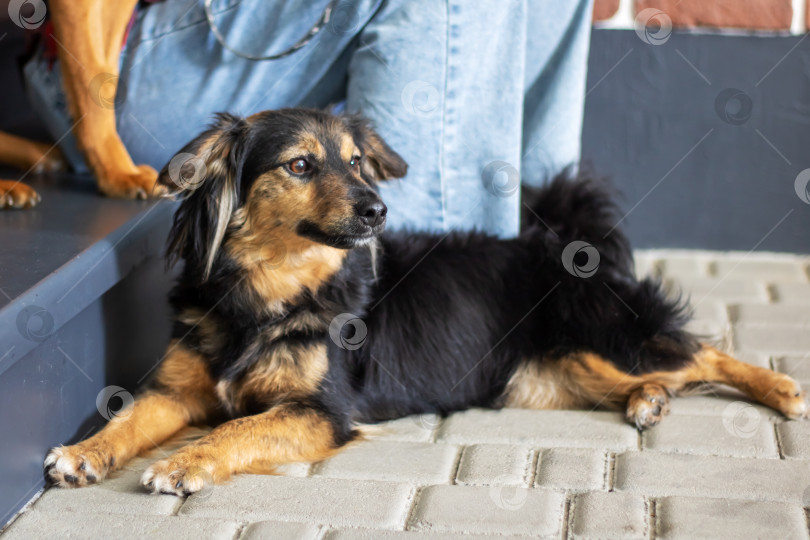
705	135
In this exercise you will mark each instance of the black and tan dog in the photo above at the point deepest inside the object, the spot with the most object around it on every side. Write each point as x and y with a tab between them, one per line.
280	229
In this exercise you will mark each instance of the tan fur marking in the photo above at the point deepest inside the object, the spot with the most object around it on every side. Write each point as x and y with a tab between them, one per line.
249	444
307	144
537	385
348	149
599	382
280	263
289	371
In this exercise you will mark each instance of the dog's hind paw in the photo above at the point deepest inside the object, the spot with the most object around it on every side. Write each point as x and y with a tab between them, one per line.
647	406
72	466
788	397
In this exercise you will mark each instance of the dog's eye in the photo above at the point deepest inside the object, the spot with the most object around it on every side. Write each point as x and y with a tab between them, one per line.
355	162
299	166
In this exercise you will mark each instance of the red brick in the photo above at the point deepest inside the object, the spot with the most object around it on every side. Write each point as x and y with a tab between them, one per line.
605	9
751	14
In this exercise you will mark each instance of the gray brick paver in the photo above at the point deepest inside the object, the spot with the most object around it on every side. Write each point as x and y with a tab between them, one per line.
35	525
680	518
609	515
328	501
659	474
726	290
494	464
488	510
403	461
748	268
740	431
775	340
573	469
595	429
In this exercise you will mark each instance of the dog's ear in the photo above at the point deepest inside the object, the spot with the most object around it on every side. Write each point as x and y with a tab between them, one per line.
379	160
205	175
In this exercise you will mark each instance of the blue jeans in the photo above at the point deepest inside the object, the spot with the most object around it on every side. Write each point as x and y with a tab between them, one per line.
476	97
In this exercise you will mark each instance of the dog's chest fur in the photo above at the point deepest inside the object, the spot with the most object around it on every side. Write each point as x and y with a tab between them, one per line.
261	356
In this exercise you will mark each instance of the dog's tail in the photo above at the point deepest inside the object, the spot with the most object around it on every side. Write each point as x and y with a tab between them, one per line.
578	207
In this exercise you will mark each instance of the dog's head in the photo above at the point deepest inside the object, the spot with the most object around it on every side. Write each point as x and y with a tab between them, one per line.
293	176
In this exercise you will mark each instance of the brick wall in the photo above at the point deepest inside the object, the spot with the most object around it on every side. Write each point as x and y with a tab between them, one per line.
748	15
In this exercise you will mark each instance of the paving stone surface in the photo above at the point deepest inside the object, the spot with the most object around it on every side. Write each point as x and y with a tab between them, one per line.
572	469
718	467
493	509
686	518
740	431
419	463
598	429
600	514
327	501
495	464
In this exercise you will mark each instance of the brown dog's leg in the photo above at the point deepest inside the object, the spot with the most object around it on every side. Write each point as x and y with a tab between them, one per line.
585	379
90	33
29	156
286	433
773	389
184	395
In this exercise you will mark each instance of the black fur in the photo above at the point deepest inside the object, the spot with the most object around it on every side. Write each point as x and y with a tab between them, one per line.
448	318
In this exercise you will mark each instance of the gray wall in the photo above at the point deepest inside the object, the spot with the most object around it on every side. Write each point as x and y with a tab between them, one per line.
701	166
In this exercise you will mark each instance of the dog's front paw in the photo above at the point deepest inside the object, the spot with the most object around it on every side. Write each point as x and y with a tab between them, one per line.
17	195
74	466
137	184
178	476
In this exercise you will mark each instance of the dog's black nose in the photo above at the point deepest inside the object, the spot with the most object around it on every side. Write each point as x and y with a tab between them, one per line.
371	212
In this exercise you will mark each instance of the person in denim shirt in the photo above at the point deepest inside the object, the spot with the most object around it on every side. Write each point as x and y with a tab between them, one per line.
476	96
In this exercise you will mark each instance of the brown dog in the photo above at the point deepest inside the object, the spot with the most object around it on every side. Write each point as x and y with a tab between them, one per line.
89	34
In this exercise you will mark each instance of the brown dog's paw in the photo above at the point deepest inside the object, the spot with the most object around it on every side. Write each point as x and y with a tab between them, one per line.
46	159
647	406
178	475
74	466
788	398
140	184
17	195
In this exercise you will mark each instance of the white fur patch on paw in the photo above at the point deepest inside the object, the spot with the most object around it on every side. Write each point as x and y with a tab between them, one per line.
65	466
